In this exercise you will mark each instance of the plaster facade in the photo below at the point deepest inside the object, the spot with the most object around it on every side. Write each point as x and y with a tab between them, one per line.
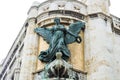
97	56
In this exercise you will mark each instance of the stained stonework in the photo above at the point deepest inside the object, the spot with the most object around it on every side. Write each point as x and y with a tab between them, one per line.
29	58
116	55
98	6
96	58
77	54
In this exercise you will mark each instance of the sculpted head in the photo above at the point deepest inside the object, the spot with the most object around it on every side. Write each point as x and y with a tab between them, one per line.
57	20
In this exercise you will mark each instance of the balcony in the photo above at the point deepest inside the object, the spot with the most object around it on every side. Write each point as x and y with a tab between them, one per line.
65	13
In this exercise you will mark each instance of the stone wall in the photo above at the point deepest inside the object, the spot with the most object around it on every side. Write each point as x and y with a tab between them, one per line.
98	54
98	49
116	56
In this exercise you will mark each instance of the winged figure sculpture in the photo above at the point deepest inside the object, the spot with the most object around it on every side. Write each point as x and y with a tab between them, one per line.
58	37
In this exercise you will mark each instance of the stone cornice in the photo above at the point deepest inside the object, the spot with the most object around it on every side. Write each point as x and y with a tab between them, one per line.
116	30
102	14
50	1
47	14
79	71
46	2
32	8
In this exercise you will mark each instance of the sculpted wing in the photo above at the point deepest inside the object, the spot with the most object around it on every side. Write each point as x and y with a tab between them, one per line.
75	28
45	33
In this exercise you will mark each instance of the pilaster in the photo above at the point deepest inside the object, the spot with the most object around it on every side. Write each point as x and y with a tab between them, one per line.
98	48
30	50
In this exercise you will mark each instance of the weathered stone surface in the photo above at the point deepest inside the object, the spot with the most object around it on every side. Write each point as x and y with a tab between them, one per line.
29	58
77	54
99	52
98	6
116	55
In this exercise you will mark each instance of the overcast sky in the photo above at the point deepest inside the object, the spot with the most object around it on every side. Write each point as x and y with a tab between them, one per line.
13	14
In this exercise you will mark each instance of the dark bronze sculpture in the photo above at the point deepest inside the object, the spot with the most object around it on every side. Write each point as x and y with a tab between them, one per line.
58	37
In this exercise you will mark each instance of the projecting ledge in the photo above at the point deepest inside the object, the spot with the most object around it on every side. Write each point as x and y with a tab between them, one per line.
81	75
58	79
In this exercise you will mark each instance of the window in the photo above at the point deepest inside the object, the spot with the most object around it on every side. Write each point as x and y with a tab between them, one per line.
12	78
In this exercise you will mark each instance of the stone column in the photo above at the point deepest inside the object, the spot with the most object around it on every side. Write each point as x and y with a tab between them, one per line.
17	74
30	50
18	66
116	51
99	50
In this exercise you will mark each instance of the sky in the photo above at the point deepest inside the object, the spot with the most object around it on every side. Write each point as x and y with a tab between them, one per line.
13	14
